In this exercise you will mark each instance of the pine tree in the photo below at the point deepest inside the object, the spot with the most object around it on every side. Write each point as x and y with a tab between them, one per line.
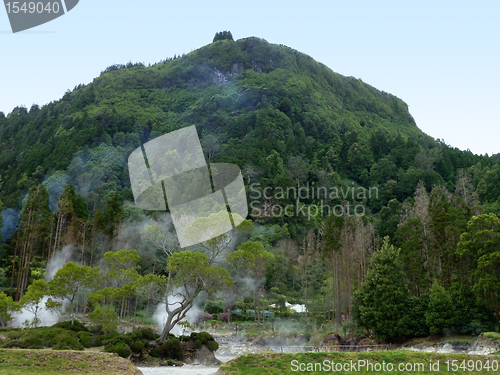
380	304
440	313
32	233
223	35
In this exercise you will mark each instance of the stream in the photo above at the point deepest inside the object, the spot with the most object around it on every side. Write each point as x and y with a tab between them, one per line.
234	346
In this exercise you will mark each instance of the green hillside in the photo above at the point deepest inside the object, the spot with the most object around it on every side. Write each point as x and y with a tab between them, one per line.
255	97
413	251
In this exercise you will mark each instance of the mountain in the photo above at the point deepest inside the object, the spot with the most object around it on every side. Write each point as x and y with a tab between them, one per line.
305	138
254	104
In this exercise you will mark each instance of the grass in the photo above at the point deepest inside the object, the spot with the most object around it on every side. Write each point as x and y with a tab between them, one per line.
283	363
463	339
40	361
492	335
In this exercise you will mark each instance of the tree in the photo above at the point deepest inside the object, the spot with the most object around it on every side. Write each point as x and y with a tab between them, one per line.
151	287
69	280
33	226
1	208
205	227
110	218
222	36
163	240
7	308
121	277
71	211
379	305
106	316
189	275
440	313
32	299
480	246
251	257
297	168
210	146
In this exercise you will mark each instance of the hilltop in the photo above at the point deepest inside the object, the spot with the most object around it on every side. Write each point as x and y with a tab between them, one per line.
253	96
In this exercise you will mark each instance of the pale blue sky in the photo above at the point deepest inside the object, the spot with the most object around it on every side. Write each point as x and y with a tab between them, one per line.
442	59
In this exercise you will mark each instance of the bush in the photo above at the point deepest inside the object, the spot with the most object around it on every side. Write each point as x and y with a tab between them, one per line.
155	352
205	317
172	348
77	326
123	350
100	340
212	346
85	338
35	343
224	317
147	334
198	344
205	337
138	346
213	307
66	341
118	338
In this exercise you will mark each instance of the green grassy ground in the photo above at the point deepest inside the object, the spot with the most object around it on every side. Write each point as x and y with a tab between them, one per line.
492	335
320	363
38	361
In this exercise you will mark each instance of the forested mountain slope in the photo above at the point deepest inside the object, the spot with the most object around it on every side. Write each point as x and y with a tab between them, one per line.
255	97
291	125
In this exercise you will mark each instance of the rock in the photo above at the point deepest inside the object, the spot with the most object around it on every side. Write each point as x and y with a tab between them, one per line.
204	356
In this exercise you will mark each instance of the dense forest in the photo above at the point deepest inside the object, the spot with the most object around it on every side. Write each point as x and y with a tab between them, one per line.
355	212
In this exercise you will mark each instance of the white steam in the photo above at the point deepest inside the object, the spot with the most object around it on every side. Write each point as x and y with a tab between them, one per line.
46	317
160	315
58	260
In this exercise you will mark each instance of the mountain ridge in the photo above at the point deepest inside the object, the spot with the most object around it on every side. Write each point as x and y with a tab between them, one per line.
254	97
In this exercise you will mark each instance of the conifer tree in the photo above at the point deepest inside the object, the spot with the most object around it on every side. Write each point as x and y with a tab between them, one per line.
379	305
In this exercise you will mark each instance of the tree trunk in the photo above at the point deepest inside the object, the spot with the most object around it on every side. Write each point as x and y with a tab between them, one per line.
14	263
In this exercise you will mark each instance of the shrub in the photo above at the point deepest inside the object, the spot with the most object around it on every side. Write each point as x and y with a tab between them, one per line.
117	339
213	307
198	344
213	346
66	341
138	346
35	343
224	317
205	317
47	334
155	352
172	348
85	338
205	337
77	326
147	333
123	350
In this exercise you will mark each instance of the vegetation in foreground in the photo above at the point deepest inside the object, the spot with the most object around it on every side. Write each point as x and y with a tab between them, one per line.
137	346
40	361
282	363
